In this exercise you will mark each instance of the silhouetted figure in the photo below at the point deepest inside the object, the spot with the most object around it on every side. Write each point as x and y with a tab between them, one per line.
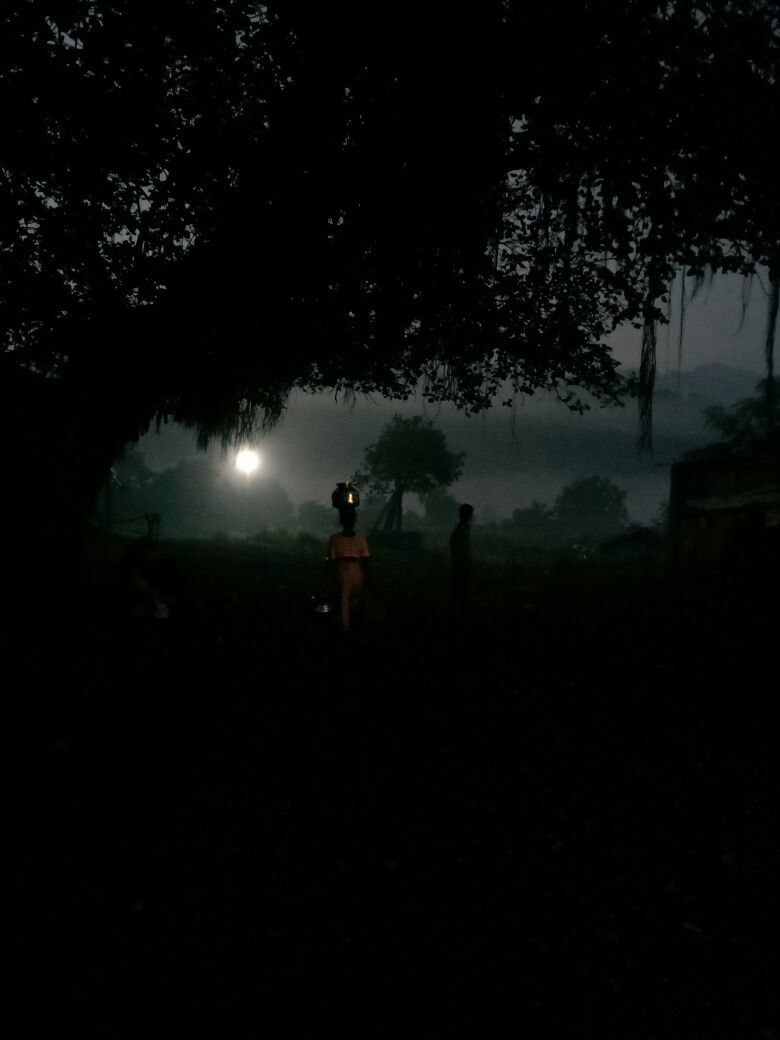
348	552
460	555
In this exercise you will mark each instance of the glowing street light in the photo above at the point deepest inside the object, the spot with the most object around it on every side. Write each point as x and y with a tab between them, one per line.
248	461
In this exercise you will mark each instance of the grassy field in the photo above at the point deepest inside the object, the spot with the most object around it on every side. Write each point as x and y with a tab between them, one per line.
559	811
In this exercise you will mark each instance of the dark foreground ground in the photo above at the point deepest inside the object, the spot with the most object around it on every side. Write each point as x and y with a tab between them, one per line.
560	814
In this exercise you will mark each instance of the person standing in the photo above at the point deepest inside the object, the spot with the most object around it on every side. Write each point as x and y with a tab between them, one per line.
460	555
348	553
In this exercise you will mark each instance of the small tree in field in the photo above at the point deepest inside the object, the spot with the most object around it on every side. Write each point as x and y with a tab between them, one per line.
593	505
410	455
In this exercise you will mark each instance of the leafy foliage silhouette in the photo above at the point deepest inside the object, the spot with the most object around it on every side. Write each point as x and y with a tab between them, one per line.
411	454
593	504
208	205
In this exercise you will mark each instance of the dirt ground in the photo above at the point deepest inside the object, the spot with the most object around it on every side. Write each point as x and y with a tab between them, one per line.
557	811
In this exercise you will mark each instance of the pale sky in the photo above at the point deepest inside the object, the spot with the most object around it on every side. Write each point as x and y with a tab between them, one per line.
712	333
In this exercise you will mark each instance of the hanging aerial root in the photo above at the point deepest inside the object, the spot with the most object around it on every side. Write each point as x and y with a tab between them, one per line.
682	329
769	347
647	384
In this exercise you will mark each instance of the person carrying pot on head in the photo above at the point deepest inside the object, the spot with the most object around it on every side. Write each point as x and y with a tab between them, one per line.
348	553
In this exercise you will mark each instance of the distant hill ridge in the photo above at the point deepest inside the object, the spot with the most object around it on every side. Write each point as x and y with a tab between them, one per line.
717	383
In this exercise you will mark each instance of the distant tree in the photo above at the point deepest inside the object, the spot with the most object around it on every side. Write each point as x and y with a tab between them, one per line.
537	519
593	505
410	455
749	418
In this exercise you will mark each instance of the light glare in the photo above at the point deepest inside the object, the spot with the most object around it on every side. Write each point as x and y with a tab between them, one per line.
248	461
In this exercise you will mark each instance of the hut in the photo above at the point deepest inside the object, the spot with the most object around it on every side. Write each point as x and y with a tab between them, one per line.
724	513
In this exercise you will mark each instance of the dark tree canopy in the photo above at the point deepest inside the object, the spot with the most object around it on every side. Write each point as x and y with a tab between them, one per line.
411	454
649	154
592	505
205	204
221	202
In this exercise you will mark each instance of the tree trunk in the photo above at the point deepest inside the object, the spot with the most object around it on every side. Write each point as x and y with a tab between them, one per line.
391	516
647	384
58	443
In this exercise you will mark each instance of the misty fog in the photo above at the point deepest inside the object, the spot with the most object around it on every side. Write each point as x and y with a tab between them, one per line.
513	457
528	453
